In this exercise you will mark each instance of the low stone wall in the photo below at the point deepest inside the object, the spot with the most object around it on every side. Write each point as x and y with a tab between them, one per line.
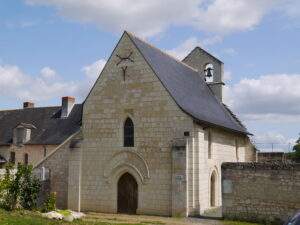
260	191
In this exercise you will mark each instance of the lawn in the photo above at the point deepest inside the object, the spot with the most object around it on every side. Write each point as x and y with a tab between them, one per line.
34	218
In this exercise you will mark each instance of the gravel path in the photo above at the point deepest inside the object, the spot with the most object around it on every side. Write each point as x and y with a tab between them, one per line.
157	220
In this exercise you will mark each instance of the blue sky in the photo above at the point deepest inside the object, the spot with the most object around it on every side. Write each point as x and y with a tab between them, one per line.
51	48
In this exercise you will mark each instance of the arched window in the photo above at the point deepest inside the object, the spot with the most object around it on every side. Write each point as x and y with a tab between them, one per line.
128	133
213	189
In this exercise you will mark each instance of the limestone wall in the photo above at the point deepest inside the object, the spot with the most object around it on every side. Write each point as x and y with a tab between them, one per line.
157	121
259	191
35	152
58	164
225	147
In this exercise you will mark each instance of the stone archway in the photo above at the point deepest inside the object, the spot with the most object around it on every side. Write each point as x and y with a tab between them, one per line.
127	194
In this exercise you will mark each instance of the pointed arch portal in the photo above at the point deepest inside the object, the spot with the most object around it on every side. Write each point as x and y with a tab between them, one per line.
127	194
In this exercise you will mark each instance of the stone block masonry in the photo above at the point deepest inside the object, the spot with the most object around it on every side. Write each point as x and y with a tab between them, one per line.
260	191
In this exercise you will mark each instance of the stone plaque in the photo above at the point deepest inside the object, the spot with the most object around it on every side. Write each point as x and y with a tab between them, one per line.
227	186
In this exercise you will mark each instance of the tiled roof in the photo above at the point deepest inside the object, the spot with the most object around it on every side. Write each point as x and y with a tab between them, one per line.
50	128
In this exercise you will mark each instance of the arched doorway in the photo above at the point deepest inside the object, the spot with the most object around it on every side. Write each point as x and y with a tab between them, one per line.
127	194
213	189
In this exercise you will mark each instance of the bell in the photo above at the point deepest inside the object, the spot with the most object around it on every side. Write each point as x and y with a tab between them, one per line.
208	72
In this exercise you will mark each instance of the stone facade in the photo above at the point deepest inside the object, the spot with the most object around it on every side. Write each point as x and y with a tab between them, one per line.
173	156
157	120
260	191
201	165
58	164
35	152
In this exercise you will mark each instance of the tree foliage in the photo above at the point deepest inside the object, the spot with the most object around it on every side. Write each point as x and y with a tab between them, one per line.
20	189
295	155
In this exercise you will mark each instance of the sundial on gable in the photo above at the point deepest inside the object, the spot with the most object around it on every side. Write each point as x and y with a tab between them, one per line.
124	62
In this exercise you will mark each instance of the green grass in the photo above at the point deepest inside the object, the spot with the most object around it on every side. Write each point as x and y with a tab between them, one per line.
34	218
64	212
229	222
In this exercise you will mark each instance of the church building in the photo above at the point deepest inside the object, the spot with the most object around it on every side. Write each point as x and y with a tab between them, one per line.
149	138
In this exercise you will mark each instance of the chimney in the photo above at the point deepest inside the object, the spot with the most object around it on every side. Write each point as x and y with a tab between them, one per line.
67	104
27	105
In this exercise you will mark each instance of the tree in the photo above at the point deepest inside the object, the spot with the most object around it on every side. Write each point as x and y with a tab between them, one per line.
295	154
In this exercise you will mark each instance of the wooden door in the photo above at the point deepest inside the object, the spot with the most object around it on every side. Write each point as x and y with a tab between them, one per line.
127	194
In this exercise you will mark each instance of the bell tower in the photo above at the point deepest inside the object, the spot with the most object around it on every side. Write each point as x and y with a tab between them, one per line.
209	68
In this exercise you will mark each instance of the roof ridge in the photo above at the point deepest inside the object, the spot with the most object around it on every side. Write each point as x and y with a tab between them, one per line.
174	58
202	49
40	107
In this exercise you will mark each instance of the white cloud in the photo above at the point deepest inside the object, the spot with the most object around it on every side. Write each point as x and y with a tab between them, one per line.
225	16
48	73
144	17
14	83
268	98
93	70
189	44
148	18
273	141
47	85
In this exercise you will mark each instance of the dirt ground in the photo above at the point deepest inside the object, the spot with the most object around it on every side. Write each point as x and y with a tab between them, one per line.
155	220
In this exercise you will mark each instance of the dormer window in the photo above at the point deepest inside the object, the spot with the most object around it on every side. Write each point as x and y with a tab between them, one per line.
22	133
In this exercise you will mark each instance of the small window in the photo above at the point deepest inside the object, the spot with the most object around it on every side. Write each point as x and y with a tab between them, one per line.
45	151
128	133
12	158
209	144
26	159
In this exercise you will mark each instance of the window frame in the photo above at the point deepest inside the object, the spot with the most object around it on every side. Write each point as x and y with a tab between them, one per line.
12	157
128	133
209	144
26	159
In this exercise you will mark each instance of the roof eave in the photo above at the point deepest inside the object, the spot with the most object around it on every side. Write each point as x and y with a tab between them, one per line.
201	122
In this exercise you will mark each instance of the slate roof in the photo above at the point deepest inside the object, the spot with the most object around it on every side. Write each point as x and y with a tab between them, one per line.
187	88
50	128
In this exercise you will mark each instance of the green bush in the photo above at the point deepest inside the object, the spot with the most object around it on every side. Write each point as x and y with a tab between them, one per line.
50	203
5	185
29	189
21	188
